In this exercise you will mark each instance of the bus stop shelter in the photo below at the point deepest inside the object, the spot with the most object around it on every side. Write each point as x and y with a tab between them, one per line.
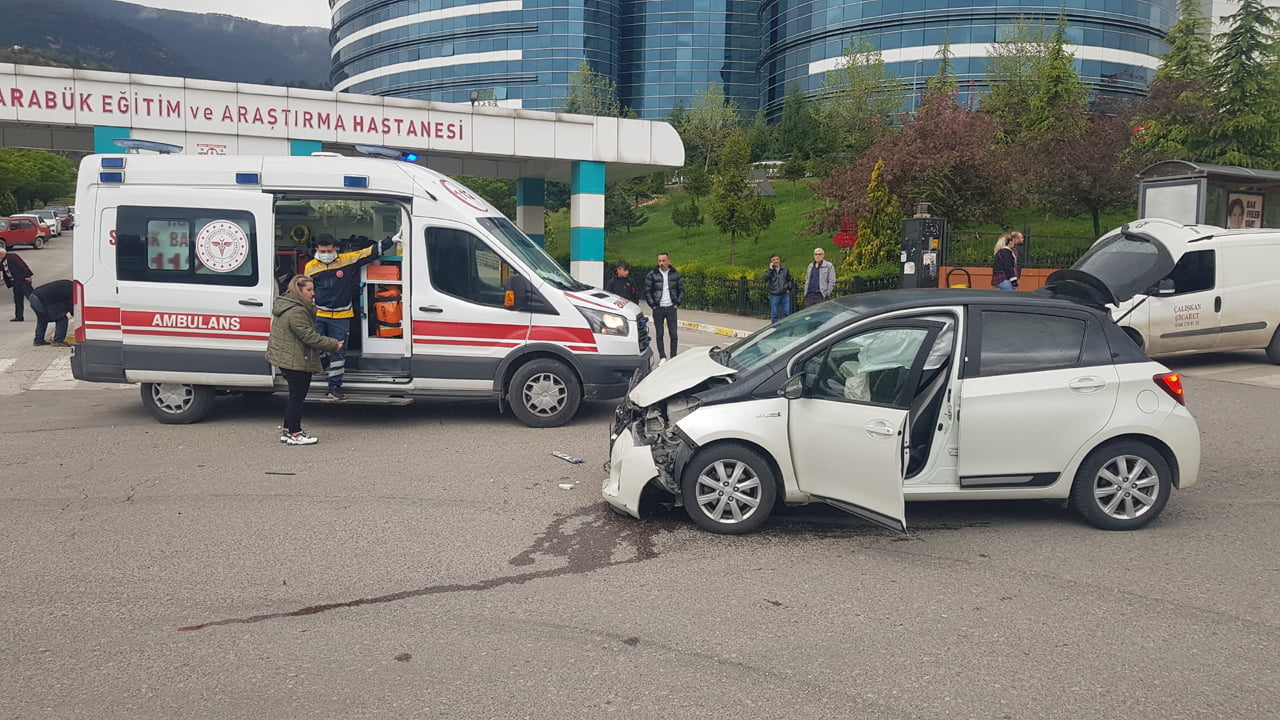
1204	194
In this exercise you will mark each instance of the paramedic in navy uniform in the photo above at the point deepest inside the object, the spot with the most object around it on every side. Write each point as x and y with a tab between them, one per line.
337	276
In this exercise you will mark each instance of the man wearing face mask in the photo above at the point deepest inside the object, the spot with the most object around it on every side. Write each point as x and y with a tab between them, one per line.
337	276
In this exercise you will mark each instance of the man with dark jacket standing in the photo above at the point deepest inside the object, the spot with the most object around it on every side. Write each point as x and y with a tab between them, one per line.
780	283
17	276
664	290
52	303
621	283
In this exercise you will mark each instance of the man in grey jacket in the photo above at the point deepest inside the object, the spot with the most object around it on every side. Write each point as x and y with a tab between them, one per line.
819	279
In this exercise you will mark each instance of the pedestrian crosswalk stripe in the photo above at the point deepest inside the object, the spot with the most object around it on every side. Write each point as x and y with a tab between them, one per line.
57	376
7	363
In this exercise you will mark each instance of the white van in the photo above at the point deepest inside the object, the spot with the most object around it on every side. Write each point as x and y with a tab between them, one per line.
178	261
1223	292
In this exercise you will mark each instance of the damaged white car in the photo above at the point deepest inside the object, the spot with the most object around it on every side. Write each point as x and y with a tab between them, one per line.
871	400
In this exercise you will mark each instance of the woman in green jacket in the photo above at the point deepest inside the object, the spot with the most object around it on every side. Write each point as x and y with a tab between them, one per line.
295	348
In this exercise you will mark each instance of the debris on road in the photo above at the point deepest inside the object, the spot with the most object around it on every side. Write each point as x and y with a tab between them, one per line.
566	457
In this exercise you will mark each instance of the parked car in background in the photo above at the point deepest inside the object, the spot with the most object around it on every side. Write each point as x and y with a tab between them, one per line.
65	214
16	231
47	228
873	400
50	218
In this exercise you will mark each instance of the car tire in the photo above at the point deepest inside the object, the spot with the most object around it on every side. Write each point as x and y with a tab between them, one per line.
1122	485
176	403
38	244
1273	348
544	393
741	472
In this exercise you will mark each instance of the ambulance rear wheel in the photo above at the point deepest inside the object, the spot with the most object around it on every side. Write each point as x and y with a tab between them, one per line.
177	404
544	393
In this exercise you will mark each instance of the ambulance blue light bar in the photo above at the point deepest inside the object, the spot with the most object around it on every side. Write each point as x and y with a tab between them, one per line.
386	152
136	144
111	177
248	179
113	162
355	181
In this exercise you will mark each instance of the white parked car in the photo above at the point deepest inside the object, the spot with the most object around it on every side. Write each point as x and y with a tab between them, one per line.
50	218
872	400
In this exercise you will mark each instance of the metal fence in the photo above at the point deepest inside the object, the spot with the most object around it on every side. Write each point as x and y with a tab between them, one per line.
744	296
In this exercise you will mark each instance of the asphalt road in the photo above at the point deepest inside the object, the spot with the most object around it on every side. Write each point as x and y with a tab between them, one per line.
435	561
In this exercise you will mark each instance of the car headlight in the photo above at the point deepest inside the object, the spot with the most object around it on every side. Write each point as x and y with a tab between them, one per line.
605	323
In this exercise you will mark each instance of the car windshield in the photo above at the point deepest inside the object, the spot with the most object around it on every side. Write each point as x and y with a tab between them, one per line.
783	336
531	253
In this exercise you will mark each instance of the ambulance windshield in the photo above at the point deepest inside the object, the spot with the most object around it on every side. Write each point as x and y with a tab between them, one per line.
527	250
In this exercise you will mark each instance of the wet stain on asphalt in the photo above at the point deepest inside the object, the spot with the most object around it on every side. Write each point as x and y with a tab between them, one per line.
588	540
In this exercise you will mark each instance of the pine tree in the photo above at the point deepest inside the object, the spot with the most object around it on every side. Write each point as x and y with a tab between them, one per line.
1061	99
1246	74
880	231
734	207
1174	119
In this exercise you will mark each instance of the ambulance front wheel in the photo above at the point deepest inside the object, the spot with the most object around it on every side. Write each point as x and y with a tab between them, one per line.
544	393
177	404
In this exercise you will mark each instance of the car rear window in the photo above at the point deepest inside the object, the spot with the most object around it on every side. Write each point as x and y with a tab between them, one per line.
1015	342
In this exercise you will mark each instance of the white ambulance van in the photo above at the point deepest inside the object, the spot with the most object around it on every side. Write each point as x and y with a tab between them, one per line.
1223	292
178	259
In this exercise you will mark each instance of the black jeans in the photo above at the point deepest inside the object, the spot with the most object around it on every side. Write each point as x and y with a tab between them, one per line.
665	316
299	383
21	289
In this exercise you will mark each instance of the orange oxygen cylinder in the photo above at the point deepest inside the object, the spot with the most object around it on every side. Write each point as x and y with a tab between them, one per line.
389	311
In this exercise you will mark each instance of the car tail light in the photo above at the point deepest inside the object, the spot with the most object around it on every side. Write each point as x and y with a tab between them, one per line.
1172	384
77	296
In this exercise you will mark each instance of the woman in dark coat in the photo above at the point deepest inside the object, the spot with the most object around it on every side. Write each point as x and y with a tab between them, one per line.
295	348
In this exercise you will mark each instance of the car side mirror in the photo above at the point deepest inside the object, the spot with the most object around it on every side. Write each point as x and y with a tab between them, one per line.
1165	287
795	387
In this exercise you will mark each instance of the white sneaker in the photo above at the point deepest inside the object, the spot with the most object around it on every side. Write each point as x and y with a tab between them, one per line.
299	438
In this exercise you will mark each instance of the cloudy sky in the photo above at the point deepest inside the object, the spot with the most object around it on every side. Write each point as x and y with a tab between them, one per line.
276	12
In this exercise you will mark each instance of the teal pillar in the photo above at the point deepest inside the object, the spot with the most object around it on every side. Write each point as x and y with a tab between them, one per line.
586	223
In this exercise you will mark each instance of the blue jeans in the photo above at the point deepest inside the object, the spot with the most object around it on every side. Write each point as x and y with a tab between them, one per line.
336	361
43	320
1005	285
779	306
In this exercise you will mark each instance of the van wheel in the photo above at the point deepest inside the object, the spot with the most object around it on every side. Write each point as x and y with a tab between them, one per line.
544	393
39	243
177	404
1122	486
729	489
1273	348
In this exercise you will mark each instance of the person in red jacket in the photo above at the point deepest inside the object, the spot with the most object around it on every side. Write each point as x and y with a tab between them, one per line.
17	276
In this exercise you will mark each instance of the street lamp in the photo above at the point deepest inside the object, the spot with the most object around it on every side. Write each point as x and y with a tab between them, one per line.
475	96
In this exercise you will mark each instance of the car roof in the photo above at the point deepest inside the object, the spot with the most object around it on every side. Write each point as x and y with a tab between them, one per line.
904	299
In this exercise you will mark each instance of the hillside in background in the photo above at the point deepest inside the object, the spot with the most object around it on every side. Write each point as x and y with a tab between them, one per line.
133	38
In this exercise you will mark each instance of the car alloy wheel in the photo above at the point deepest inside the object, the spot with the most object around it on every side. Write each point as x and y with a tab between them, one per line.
1122	486
729	489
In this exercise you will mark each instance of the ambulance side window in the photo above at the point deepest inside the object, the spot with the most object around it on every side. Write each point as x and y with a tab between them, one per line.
186	245
462	265
1193	273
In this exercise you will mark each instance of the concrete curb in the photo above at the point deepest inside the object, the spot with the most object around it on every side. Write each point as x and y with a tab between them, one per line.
714	329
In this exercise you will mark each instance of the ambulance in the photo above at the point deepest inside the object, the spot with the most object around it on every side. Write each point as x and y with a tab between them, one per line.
178	259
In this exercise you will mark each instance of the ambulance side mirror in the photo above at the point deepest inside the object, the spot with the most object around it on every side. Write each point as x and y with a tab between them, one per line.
517	295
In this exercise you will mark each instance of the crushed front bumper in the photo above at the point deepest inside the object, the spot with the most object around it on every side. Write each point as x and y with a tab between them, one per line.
631	467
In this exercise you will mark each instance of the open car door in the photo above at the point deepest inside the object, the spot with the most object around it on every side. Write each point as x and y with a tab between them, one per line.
847	419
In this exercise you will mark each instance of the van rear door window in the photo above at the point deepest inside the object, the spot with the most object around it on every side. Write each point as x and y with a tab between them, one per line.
186	245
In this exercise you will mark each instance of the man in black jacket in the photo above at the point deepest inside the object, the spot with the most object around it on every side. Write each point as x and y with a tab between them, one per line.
52	303
17	276
621	283
780	283
664	290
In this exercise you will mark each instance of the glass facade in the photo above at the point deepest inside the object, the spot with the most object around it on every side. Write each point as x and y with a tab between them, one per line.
1116	43
672	49
664	52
